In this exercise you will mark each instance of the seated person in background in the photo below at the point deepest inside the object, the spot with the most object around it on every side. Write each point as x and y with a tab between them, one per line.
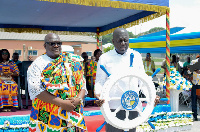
149	65
15	58
92	69
187	62
185	69
175	63
8	87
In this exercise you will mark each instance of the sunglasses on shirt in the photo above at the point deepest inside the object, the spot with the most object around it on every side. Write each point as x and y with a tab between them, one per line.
54	43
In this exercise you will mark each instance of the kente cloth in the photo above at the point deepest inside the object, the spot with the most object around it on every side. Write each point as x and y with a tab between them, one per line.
8	91
85	64
63	77
92	69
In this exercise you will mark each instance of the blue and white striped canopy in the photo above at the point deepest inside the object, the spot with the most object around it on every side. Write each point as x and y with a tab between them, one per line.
179	43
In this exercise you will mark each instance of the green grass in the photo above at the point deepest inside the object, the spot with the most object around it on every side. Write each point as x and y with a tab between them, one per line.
158	60
161	71
155	59
159	66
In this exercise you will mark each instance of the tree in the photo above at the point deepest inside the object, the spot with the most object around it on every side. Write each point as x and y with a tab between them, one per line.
108	48
131	35
156	29
107	39
152	30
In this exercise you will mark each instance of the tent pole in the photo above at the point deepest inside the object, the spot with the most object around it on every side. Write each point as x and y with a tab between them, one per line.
98	45
101	43
167	57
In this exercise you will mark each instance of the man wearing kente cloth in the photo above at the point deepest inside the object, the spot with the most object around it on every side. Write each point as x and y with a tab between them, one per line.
56	86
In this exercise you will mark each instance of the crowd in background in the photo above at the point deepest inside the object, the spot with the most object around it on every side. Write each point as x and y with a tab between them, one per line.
9	71
185	71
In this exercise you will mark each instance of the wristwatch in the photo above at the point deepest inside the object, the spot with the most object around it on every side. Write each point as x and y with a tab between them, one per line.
81	100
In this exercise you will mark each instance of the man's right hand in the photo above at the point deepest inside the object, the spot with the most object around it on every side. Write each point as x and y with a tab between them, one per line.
67	105
99	102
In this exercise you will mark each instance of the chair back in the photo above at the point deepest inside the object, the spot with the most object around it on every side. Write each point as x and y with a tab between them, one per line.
25	66
20	68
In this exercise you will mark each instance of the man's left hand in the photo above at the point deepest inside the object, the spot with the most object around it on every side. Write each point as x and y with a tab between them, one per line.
76	101
157	100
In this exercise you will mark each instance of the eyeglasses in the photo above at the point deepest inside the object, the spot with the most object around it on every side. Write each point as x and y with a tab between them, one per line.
54	43
4	53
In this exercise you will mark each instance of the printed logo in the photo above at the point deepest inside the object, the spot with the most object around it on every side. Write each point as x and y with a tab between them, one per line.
129	100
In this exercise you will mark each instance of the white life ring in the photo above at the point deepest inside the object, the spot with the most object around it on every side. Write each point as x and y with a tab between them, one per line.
147	85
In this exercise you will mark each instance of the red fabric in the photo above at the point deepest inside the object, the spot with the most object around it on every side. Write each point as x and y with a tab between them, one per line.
93	122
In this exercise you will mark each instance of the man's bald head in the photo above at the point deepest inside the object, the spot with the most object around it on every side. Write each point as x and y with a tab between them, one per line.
51	37
121	40
52	45
119	31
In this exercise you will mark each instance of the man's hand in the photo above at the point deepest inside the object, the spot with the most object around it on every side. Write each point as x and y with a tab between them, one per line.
8	74
99	102
76	101
67	105
157	100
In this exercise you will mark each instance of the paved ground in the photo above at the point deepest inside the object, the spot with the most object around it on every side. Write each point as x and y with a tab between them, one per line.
196	124
158	63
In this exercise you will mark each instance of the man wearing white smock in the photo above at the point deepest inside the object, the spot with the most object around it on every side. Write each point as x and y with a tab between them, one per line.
117	60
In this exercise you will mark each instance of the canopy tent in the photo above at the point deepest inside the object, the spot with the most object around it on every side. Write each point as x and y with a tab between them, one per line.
179	43
77	16
91	17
